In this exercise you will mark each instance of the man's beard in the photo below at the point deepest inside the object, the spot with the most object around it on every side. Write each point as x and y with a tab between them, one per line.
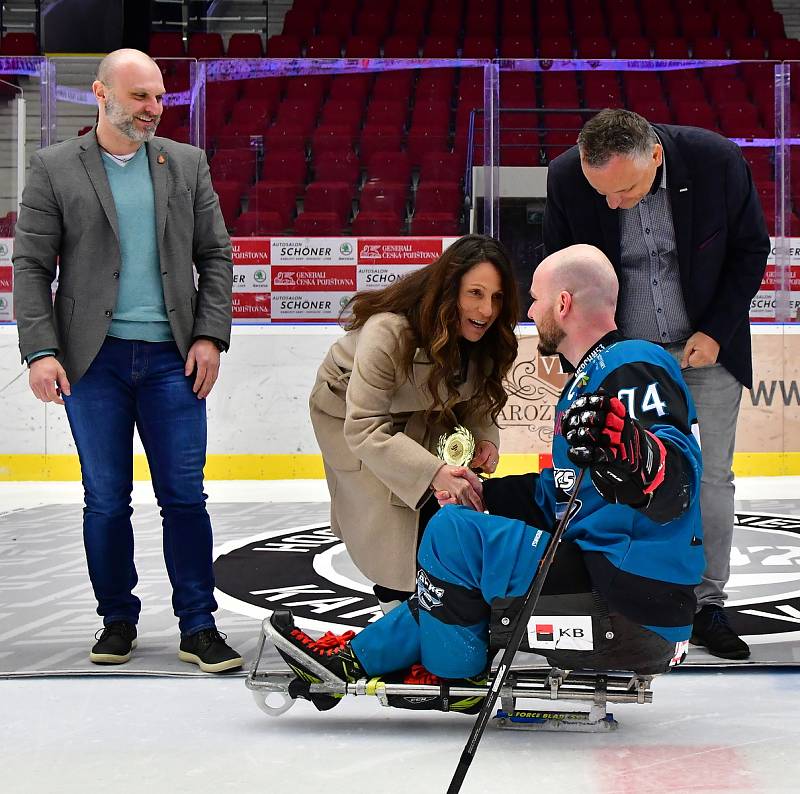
125	123
550	337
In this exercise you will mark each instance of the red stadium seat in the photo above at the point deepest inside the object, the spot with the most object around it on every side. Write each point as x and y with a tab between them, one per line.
553	23
300	23
342	112
389	113
286	166
656	111
335	197
769	25
555	47
441	167
255	223
317	224
377	196
300	113
332	138
439	197
601	90
709	49
748	49
234	165
783	49
479	46
660	22
594	47
391	85
379	138
374	21
642	86
733	24
21	44
206	45
401	46
337	166
440	46
376	224
672	47
516	46
162	45
263	88
324	46
697	25
284	46
434	224
389	167
632	47
350	86
624	25
230	195
695	114
517	90
409	22
335	23
422	140
435	84
362	46
277	197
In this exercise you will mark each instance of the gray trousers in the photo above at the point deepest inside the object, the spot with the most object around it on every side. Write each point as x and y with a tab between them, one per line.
717	395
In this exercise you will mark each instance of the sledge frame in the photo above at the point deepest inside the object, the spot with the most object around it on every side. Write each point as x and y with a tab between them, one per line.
595	688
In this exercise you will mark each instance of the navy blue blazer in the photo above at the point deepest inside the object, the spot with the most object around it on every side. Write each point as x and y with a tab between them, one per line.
720	232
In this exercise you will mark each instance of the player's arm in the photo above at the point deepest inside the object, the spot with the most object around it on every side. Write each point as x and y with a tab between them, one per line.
635	436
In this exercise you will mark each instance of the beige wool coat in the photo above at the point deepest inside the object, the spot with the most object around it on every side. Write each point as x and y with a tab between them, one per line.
378	451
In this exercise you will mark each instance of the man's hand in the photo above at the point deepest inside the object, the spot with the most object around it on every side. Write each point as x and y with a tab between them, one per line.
457	485
48	380
700	351
486	457
627	462
204	357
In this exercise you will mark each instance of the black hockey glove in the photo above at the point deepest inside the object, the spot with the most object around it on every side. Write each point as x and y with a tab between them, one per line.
627	463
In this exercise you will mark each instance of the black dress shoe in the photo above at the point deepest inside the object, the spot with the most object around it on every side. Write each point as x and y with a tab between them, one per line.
712	630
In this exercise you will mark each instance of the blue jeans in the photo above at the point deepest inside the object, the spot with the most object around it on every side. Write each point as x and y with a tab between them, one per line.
142	383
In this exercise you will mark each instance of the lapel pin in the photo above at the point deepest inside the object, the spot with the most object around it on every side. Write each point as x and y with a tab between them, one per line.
161	159
683	190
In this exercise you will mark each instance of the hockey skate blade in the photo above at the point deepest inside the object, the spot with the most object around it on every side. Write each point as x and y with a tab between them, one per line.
338	686
538	720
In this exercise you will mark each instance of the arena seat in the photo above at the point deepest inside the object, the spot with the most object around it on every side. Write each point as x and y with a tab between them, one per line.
376	224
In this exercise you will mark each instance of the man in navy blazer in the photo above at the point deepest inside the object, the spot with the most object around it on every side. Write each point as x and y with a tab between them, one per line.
675	210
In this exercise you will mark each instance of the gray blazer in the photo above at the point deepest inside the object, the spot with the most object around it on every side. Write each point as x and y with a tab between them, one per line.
67	217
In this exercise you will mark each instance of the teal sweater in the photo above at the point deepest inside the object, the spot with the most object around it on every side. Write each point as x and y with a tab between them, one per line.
140	312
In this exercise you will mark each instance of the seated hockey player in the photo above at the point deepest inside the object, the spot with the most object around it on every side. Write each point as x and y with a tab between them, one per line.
632	551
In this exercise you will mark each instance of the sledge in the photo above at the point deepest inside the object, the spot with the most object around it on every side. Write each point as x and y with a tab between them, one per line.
586	692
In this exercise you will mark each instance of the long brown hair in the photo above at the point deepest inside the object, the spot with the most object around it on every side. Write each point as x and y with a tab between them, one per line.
428	298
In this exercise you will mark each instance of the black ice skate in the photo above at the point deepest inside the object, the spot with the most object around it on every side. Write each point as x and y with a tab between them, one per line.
329	659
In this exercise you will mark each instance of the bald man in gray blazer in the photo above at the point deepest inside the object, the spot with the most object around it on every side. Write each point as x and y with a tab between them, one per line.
130	341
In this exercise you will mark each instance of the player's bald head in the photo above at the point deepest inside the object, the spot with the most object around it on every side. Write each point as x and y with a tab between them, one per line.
127	64
585	272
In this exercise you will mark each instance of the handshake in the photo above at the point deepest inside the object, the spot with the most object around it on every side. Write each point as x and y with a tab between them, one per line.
460	485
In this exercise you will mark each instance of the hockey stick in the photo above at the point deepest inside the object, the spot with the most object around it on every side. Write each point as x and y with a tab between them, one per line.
528	605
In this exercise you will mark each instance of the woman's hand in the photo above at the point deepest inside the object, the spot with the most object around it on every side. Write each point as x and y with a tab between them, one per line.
486	457
457	485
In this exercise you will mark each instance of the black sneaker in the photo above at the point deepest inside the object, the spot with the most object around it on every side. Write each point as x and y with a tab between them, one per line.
712	630
209	651
313	660
115	643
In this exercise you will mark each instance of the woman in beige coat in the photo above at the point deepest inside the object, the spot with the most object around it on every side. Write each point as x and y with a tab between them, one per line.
423	355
